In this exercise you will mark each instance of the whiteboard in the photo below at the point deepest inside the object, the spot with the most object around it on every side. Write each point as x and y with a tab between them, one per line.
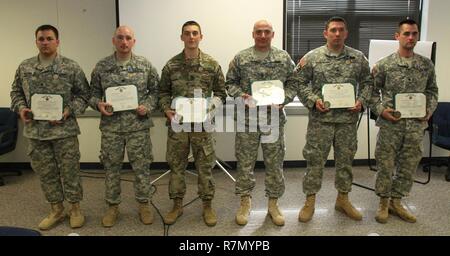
379	49
227	26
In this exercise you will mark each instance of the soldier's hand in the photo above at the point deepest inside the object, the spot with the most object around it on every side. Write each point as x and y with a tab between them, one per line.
248	100
426	117
387	114
278	106
320	107
357	107
102	108
170	114
66	114
24	115
141	110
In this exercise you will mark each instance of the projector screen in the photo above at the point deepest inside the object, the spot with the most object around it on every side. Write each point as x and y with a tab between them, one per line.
226	26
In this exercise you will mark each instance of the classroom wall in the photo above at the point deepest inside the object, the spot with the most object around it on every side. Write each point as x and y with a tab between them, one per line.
86	31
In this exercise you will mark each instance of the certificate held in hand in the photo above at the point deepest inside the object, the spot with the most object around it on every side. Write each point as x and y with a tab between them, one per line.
47	107
122	97
191	110
268	92
411	105
338	95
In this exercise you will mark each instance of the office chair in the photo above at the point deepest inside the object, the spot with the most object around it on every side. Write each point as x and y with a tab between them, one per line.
18	231
8	134
439	132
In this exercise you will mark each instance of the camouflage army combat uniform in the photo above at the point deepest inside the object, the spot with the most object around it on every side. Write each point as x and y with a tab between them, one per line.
125	129
245	69
179	78
53	149
336	127
399	145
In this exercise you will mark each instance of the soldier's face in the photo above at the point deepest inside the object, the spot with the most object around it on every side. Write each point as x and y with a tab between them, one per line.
263	35
46	42
124	40
336	34
191	37
407	36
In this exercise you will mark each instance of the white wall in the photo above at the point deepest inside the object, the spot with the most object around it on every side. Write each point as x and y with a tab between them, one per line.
226	25
86	29
437	29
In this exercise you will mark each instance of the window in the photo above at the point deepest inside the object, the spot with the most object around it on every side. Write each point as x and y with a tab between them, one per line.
366	19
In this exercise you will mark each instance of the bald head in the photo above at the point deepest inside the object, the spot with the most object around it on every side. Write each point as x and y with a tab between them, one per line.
262	23
124	29
263	35
123	40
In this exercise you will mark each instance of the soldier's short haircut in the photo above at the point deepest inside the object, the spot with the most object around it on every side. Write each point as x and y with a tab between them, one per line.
47	27
406	21
335	19
191	23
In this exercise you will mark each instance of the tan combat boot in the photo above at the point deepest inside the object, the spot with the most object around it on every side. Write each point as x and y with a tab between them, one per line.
209	215
145	213
56	215
307	211
111	215
76	217
396	207
176	211
275	213
383	210
344	205
244	210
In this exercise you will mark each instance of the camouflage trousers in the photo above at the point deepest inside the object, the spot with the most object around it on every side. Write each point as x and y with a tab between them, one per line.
57	162
178	147
398	153
246	151
139	151
319	138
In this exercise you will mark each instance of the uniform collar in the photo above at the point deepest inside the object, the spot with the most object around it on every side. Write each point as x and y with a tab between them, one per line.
57	61
400	62
345	52
201	57
269	56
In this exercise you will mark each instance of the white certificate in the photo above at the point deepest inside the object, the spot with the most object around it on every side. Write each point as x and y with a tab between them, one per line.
411	105
339	95
122	97
268	92
192	110
47	106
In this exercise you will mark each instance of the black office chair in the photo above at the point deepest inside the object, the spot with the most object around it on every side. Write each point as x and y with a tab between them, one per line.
8	135
439	132
18	231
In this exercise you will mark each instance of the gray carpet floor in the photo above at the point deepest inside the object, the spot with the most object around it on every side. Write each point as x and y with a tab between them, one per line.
22	204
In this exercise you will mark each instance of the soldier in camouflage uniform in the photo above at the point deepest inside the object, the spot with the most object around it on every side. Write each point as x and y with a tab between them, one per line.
53	145
399	144
259	63
332	63
125	129
188	71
